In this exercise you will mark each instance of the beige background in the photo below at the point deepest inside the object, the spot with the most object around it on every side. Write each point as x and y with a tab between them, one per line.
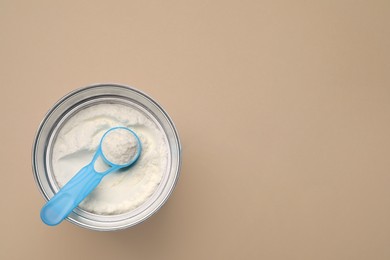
283	109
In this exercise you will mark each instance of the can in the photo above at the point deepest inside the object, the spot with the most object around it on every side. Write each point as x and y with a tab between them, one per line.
84	97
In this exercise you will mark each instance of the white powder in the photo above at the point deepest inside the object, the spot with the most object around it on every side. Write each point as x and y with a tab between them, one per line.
120	191
119	146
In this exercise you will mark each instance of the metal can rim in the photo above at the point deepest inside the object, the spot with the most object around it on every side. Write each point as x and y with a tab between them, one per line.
101	85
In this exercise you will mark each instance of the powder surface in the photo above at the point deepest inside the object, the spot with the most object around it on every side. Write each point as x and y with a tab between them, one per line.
119	146
123	190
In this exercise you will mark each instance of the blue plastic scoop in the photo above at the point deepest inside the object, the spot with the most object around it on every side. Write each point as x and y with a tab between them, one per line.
86	180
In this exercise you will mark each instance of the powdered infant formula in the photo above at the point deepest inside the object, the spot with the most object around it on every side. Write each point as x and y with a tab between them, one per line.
123	190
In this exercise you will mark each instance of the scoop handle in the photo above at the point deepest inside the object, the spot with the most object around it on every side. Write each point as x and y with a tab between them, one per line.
70	196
